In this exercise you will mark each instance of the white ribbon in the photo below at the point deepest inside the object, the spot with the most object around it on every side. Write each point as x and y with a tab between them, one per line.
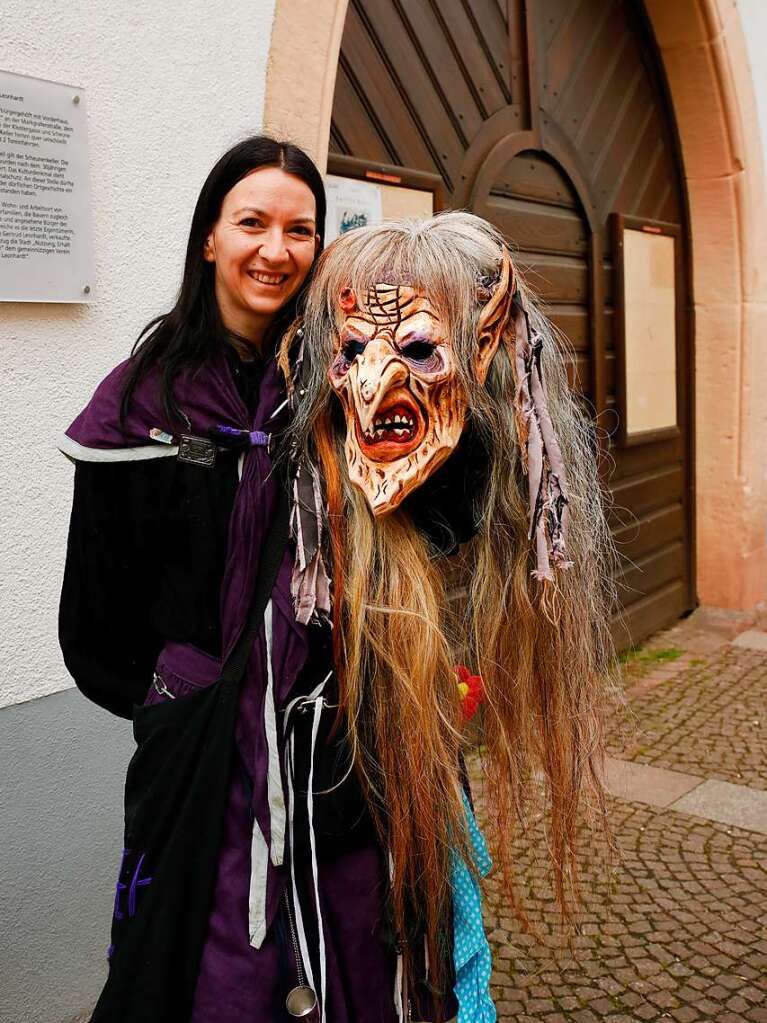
313	844
315	697
259	851
274	775
259	860
399	976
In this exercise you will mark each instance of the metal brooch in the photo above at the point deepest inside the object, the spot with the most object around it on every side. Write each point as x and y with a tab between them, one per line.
196	451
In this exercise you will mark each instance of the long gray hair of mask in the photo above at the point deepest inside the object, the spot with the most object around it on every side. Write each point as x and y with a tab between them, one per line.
540	641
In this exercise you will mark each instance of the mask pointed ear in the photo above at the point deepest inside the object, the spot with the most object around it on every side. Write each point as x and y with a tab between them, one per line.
496	294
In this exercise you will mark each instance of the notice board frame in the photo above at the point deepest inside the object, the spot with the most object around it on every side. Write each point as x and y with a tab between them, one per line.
388	174
620	223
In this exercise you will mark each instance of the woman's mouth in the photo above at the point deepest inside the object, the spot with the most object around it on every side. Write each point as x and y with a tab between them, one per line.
267	279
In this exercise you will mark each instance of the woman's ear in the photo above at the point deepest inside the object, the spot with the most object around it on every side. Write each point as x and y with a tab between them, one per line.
209	249
494	317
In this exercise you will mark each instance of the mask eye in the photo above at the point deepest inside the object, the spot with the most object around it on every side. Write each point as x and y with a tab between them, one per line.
418	351
352	348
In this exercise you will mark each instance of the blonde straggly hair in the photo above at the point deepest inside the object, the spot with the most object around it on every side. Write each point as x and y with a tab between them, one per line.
541	648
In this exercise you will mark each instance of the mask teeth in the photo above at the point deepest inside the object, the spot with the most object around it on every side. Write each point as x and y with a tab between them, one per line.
397	425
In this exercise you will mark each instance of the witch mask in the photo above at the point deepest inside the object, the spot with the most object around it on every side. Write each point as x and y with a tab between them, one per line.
395	372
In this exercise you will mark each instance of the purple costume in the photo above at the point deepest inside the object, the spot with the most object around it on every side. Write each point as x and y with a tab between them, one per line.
245	969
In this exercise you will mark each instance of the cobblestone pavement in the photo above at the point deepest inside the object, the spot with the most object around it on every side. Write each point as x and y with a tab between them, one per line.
711	721
676	929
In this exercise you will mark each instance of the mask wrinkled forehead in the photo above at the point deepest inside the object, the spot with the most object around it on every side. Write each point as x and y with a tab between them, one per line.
388	304
385	306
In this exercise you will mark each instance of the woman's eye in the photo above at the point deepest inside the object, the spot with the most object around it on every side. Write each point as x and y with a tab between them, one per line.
419	351
250	222
301	230
352	348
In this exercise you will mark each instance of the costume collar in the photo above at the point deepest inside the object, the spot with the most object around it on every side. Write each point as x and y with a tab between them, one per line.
207	397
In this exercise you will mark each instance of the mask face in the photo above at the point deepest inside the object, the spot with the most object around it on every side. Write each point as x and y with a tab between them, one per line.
394	370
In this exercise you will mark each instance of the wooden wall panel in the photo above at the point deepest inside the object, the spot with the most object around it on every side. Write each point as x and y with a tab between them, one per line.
536	207
431	118
641	536
537	179
477	39
651	573
647	492
538	228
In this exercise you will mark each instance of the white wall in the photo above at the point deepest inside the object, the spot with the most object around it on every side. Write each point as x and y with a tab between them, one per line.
170	84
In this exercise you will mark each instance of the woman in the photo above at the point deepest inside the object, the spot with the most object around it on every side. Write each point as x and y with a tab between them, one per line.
176	493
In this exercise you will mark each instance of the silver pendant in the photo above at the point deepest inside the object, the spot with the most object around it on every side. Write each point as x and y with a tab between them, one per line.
301	1003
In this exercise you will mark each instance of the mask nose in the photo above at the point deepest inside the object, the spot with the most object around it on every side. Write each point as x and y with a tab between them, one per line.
379	370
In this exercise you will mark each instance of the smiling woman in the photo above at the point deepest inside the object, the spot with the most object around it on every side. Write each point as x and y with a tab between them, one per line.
262	244
257	227
252	884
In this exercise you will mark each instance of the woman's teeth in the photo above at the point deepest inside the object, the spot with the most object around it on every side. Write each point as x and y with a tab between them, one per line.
268	278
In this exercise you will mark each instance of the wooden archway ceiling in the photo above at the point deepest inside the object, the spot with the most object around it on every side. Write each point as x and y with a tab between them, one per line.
596	88
417	80
446	86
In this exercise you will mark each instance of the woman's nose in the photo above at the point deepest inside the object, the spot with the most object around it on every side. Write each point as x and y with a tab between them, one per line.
273	248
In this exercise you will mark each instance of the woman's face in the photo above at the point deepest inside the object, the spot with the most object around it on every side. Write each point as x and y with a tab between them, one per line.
262	244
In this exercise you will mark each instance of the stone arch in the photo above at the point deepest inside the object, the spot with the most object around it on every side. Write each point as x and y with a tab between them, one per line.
704	54
301	72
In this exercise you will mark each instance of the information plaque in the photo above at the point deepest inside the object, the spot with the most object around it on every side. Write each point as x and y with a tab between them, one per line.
45	229
350	204
355	203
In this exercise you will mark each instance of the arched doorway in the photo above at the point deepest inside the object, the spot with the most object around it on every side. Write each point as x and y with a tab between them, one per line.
702	50
546	124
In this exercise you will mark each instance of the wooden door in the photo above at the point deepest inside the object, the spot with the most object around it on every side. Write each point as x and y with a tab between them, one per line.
546	117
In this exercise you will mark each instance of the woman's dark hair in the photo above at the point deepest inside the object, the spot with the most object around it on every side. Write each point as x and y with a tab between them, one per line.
185	337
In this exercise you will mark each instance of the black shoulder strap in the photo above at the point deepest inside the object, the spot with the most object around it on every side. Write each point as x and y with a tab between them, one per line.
271	559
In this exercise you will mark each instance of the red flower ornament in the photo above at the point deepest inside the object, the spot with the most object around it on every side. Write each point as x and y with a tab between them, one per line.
470	691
